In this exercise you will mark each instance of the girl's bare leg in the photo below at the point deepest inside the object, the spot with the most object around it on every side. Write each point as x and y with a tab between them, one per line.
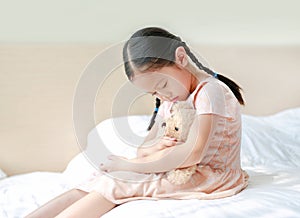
92	205
58	204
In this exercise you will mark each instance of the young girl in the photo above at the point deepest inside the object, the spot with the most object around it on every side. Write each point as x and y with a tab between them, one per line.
163	65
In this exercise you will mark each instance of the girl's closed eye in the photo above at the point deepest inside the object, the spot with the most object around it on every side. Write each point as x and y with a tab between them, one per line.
164	86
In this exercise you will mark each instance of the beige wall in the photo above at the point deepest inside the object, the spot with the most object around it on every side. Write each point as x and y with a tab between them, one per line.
37	84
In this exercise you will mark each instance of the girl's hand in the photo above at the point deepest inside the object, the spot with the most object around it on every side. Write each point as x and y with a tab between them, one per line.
114	163
168	141
163	143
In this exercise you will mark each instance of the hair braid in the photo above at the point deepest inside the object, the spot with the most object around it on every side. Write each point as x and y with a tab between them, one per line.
195	60
236	89
157	104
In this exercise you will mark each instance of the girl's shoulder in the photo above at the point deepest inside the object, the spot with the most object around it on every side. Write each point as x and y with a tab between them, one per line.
212	96
212	85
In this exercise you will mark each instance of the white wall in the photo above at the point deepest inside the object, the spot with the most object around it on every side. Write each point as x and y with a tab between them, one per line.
93	21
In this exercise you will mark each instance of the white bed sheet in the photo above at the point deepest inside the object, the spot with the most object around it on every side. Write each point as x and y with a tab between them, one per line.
270	154
271	193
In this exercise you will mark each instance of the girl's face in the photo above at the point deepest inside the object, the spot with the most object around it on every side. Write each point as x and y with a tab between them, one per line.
169	83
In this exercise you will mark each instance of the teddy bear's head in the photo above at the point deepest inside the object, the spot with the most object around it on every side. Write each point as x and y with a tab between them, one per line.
178	124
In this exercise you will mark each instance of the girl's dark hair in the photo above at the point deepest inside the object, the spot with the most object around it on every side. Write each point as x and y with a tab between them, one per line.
152	48
157	104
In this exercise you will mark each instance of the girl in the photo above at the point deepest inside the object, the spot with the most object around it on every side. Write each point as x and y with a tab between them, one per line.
162	64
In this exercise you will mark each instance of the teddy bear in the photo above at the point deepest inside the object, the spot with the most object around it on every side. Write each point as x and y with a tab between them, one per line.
177	126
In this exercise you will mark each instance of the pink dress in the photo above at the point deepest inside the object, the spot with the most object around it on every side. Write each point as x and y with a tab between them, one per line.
219	173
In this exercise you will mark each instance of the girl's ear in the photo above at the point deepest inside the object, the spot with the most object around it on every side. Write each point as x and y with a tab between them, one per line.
181	58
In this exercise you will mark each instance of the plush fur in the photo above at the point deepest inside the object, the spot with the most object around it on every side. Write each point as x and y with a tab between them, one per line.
178	126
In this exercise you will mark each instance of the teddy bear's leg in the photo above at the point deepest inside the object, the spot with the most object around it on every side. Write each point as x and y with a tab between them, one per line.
181	176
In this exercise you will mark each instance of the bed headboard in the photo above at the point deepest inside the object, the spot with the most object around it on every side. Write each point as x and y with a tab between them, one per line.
38	82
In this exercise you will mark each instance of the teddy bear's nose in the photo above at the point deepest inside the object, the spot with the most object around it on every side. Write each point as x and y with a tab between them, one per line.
176	128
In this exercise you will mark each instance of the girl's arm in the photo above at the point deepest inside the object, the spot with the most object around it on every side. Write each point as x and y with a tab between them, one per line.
182	155
154	141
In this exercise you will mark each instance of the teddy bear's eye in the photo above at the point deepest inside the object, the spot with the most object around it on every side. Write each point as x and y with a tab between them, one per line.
163	124
176	128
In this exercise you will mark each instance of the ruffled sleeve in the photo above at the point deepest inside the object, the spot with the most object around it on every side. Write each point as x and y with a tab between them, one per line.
215	97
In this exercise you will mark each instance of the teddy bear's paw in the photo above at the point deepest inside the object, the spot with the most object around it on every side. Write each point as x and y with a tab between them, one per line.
178	177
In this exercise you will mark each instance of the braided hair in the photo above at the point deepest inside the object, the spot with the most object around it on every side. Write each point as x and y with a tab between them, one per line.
152	121
152	48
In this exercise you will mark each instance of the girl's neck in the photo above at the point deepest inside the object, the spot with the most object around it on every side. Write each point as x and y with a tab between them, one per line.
197	76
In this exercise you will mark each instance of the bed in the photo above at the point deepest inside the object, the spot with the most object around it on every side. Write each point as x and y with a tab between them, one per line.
270	153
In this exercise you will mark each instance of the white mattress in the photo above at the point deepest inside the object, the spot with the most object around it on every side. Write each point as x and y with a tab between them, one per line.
270	154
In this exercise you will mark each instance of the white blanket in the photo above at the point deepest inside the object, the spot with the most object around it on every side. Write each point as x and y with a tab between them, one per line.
270	154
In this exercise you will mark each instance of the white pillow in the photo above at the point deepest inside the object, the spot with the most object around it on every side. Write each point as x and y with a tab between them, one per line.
108	133
78	169
119	136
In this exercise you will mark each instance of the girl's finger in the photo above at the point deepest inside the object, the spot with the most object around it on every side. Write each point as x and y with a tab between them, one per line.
102	167
114	157
169	143
169	138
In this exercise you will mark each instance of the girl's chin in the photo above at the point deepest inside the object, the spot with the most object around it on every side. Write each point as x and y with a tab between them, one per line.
175	99
182	98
